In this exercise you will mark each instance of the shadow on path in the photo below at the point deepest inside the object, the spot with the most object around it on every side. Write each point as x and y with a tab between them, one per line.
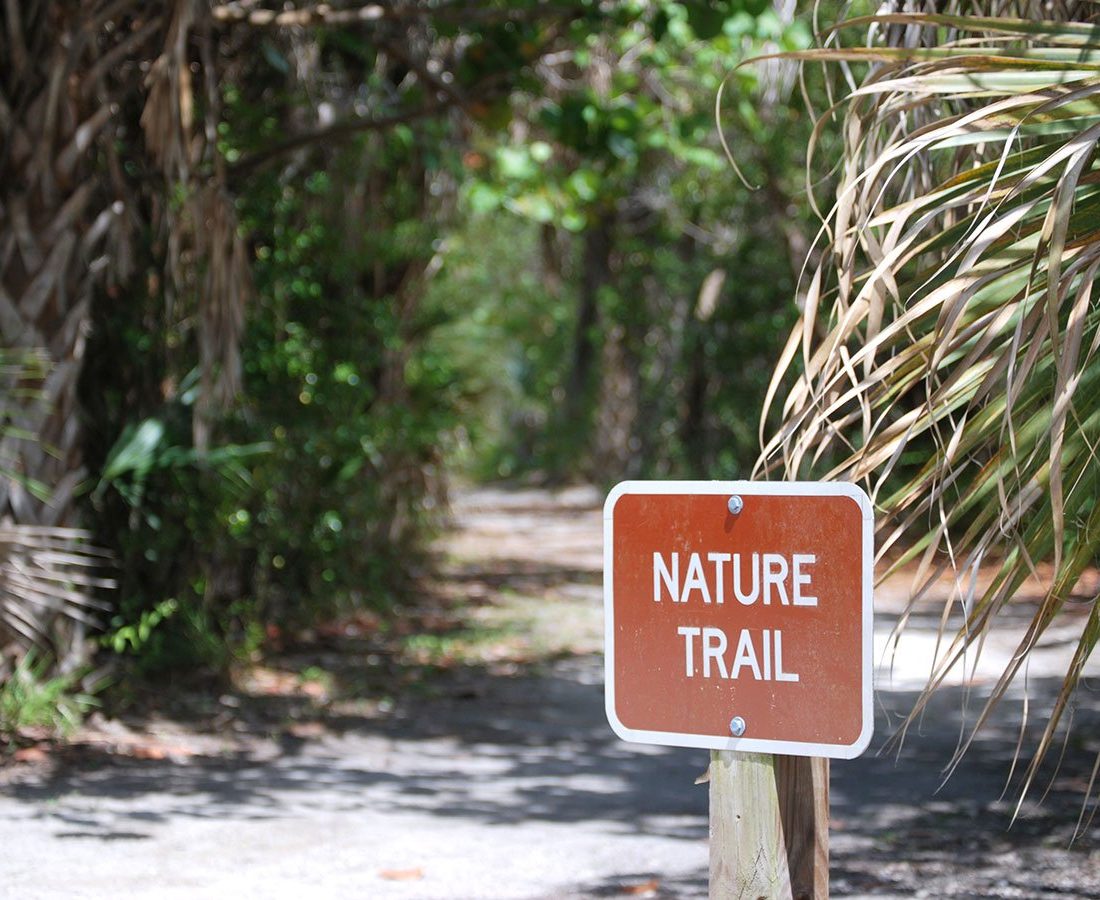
505	781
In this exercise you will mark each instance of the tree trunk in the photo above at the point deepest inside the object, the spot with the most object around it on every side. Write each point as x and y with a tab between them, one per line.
48	258
595	273
61	231
617	449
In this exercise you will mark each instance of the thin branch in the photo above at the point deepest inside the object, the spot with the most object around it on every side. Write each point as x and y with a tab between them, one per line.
17	45
118	53
310	15
337	131
324	14
422	71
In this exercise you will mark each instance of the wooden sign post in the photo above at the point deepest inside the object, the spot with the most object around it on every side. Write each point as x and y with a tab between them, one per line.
769	826
738	618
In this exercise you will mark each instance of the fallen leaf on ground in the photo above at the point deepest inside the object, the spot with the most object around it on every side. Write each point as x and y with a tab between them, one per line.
401	874
29	755
315	690
152	750
148	751
305	730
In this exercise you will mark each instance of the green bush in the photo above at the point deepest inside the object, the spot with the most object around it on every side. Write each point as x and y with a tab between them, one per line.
30	697
324	478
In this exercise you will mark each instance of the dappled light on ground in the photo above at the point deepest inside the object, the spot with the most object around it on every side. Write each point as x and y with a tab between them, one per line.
400	765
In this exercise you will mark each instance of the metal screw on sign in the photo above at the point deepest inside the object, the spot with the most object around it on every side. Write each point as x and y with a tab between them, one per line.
737	726
735	505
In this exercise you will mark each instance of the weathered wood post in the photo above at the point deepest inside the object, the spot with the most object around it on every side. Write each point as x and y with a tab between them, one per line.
769	827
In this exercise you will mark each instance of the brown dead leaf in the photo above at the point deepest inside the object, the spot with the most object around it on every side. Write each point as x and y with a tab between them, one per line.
270	682
306	730
401	874
315	690
29	755
642	889
148	751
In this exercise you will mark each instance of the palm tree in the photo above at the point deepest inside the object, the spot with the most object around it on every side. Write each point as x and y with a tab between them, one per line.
951	317
54	224
63	233
48	573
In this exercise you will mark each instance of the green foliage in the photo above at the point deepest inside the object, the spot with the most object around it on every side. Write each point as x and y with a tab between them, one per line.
481	238
30	697
146	447
166	504
324	482
614	364
355	408
132	638
507	338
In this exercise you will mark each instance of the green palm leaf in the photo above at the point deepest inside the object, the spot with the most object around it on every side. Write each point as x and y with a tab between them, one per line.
952	313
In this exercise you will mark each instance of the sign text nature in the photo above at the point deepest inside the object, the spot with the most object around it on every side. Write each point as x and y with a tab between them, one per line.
715	577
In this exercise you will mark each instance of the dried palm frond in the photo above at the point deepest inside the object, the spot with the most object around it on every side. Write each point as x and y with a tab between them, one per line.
202	232
47	578
69	220
953	314
48	574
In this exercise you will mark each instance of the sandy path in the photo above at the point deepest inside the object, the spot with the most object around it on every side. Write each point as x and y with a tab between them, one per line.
504	781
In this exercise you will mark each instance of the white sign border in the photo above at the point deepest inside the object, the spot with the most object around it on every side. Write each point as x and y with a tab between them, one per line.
750	489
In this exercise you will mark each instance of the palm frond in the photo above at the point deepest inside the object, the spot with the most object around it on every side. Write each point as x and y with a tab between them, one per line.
47	575
953	314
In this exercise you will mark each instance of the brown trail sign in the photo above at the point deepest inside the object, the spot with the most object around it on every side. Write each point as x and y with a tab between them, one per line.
738	618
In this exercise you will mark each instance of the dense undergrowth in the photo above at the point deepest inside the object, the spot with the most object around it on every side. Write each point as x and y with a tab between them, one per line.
365	258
